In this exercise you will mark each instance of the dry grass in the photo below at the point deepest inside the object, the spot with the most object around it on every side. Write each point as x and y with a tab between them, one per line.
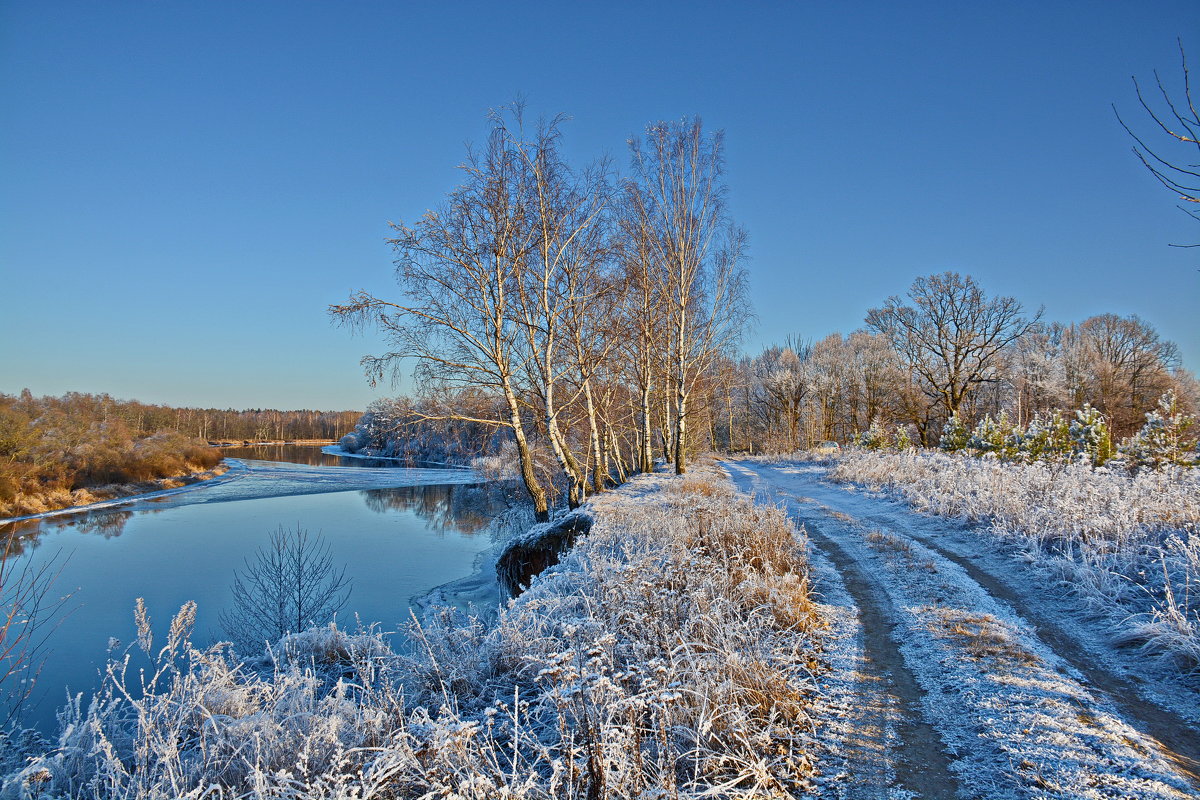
55	499
983	636
702	485
889	542
1125	543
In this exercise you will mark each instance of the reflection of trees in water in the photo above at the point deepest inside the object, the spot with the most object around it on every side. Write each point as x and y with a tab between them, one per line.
109	523
463	508
291	453
310	455
20	537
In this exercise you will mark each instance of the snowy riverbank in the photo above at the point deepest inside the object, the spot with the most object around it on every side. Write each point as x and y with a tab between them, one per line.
127	494
674	649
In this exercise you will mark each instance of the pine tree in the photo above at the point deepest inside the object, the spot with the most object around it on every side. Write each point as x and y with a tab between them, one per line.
954	435
1090	436
1166	438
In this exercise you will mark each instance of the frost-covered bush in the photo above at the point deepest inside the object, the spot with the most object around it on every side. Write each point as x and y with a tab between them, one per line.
877	437
874	437
1127	544
1090	437
350	443
954	435
502	466
998	437
672	653
1168	436
1047	438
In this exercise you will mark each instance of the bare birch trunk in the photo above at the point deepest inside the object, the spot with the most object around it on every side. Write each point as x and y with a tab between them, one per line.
599	475
646	445
537	493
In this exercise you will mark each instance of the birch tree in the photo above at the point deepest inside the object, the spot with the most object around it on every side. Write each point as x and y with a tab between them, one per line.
558	293
459	269
697	255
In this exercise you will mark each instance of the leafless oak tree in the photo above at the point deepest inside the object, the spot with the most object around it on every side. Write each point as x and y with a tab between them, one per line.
952	336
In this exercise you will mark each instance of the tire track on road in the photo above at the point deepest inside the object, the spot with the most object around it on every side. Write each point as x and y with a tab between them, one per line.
1175	736
1016	718
920	763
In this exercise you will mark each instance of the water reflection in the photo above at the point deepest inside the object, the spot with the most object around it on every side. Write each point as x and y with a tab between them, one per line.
306	454
108	523
466	509
395	543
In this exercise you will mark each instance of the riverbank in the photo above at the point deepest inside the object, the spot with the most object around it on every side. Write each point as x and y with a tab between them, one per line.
478	594
99	497
674	650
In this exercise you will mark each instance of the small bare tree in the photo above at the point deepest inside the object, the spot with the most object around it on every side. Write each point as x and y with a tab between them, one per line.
291	585
28	615
1178	118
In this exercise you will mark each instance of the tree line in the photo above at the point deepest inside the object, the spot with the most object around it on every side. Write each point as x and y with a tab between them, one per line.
589	321
948	350
53	446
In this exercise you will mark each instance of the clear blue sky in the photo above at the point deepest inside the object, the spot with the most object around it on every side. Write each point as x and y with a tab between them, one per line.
185	187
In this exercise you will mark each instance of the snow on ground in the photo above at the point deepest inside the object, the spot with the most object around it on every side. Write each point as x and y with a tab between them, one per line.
1016	718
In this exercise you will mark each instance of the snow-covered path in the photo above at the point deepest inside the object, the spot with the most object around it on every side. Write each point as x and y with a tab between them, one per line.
997	690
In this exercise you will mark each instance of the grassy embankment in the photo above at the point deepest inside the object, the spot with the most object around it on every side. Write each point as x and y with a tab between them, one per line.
1125	543
56	453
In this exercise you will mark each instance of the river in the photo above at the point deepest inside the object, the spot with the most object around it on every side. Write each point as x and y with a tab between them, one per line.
399	532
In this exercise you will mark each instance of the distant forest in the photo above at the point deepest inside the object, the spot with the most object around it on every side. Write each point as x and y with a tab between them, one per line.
53	450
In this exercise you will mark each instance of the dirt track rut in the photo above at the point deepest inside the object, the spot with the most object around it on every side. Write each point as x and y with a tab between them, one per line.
989	706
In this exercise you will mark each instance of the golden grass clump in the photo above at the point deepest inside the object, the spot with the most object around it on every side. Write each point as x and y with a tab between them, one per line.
983	636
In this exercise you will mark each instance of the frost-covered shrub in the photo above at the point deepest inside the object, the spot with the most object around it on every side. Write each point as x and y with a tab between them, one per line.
878	437
502	466
1090	437
350	443
1047	438
954	435
874	437
997	437
1126	544
1167	437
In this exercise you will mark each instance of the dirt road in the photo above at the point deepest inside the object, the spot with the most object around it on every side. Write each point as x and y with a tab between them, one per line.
955	676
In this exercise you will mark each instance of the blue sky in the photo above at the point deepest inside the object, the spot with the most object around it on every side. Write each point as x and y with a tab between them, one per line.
185	187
